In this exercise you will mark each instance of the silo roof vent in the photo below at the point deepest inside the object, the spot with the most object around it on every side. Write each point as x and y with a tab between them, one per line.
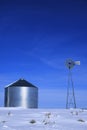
21	83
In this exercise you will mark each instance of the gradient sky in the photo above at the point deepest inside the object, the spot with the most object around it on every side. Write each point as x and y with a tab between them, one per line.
36	37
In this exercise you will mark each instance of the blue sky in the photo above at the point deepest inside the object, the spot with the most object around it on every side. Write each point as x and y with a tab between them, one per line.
36	37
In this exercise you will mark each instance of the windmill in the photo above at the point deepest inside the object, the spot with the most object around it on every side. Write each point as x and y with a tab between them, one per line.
70	101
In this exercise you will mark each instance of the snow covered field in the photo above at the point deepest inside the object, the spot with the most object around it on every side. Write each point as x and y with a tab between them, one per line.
42	119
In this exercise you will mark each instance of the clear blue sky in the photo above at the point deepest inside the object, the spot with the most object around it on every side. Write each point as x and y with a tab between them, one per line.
36	37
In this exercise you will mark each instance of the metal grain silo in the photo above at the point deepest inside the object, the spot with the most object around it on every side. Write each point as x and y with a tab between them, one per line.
21	94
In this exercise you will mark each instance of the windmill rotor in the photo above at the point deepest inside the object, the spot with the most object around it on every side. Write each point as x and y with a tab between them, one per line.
70	63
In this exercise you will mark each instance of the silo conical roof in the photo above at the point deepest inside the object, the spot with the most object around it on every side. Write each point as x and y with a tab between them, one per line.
21	83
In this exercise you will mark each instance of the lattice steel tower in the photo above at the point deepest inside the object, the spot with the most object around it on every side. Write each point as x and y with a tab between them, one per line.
70	100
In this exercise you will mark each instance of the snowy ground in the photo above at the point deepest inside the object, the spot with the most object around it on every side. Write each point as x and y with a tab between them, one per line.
42	119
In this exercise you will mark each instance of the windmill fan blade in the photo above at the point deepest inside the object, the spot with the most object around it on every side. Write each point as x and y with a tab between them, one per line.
77	62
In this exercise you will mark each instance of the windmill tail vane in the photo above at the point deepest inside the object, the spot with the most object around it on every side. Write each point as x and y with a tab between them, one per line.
77	62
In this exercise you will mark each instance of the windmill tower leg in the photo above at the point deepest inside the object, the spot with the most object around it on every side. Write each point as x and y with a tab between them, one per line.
70	101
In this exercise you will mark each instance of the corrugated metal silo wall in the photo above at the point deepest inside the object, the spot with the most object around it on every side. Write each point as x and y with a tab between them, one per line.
21	97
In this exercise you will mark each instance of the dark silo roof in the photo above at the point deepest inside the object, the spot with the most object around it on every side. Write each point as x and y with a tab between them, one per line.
21	83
